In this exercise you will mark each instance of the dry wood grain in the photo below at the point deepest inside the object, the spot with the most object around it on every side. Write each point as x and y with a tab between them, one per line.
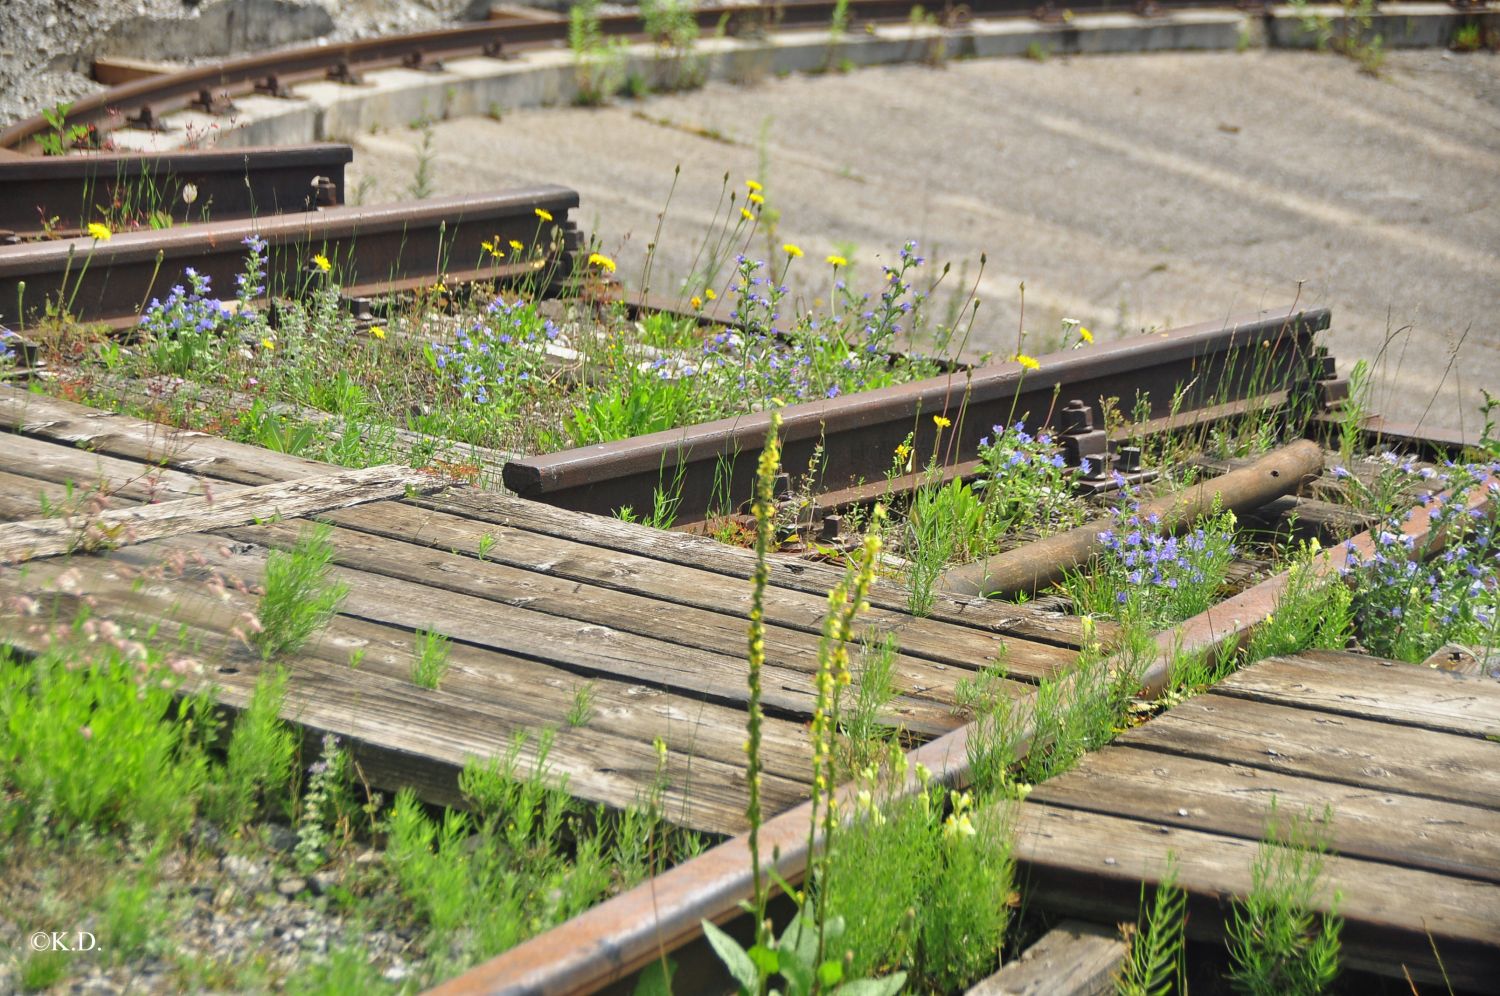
1390	691
1235	800
1092	865
1359	752
1071	959
37	538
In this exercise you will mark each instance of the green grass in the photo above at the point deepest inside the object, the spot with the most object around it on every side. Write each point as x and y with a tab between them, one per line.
299	598
430	662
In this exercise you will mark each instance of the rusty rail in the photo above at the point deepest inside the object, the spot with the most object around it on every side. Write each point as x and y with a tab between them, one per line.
142	102
58	196
1037	565
1209	363
370	249
622	935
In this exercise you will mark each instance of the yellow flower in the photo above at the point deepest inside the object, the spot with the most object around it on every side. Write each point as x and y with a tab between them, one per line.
1027	362
602	261
268	344
321	262
941	422
745	213
377	331
493	249
837	261
755	188
708	292
544	214
516	245
756	199
795	252
1085	334
98	232
696	302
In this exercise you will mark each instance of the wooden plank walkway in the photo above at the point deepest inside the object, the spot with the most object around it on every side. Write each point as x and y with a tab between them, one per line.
540	604
1406	758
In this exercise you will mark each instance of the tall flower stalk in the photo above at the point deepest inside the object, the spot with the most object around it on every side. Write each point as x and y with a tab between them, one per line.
764	509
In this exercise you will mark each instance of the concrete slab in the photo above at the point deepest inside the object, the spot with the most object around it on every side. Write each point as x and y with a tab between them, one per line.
1128	191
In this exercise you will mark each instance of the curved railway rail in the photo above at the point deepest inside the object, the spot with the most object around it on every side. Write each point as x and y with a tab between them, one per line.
142	103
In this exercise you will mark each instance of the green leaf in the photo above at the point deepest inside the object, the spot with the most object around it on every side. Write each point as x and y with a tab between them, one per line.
888	986
831	973
741	968
655	979
767	960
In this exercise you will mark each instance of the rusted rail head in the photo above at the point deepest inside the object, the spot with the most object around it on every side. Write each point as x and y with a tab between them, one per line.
1199	364
148	98
622	935
61	194
370	250
1034	566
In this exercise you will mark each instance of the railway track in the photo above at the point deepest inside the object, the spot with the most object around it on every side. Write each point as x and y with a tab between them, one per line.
143	103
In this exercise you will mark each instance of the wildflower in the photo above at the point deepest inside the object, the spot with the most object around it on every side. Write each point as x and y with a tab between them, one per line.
958	826
745	213
544	214
377	331
1027	362
98	232
516	245
86	732
756	199
269	344
1085	334
902	451
696	302
941	422
708	292
602	261
794	251
493	249
755	188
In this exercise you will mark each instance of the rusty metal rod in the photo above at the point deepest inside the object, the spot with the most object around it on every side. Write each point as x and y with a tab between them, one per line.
1034	566
1199	365
622	935
371	250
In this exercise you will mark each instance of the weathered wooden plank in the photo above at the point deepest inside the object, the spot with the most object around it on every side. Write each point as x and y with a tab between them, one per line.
1072	959
444	730
135	582
86	472
686	586
1234	800
1360	752
1357	685
710	555
561	599
148	442
1092	865
37	538
26	497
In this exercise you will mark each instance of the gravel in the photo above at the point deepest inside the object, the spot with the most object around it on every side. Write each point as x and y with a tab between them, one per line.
47	47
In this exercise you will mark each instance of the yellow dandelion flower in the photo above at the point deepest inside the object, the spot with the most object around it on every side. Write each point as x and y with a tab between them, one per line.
1028	362
98	232
1085	334
745	213
516	245
544	214
837	261
696	302
269	344
602	261
756	199
377	331
493	248
708	292
941	422
755	188
794	251
321	262
902	451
